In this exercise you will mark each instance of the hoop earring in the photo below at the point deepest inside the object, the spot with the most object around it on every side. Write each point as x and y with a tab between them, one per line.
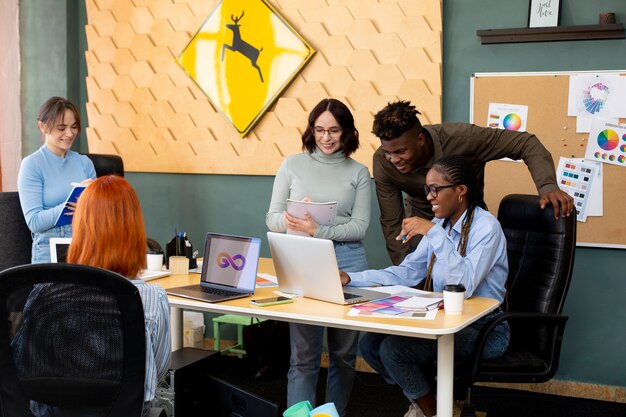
460	199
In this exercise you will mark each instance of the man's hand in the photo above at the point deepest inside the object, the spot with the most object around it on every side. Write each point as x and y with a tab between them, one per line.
562	203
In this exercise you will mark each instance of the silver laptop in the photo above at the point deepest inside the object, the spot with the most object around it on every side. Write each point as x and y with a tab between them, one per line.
58	253
229	269
308	266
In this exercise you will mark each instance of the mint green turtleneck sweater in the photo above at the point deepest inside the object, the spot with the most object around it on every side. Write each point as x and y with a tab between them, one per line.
324	178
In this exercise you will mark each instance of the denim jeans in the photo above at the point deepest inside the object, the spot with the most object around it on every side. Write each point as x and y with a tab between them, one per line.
41	242
307	343
398	358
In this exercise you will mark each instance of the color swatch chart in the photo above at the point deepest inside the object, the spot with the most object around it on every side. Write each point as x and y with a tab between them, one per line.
576	179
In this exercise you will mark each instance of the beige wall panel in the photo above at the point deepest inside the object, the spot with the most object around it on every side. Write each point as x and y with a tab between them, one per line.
144	107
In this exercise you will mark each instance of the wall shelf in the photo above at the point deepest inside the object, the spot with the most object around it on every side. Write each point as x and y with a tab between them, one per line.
547	34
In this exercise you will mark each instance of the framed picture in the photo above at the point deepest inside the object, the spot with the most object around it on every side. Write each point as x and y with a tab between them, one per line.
544	13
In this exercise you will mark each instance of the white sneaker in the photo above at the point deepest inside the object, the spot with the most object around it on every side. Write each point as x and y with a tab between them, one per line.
414	411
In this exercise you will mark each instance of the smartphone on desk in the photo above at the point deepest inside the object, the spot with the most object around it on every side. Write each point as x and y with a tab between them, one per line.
264	302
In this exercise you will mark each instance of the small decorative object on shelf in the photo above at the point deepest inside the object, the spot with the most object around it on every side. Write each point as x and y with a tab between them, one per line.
607	18
544	13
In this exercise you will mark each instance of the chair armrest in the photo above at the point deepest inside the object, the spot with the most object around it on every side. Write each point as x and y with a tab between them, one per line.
555	321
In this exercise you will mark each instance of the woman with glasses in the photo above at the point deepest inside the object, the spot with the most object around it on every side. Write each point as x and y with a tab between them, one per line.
463	244
325	172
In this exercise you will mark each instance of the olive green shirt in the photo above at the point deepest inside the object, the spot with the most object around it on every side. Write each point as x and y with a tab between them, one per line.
476	143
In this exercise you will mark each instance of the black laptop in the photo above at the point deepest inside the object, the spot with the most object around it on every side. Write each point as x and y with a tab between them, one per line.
229	269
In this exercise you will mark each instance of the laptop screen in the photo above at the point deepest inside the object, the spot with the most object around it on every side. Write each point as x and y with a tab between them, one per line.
58	248
231	261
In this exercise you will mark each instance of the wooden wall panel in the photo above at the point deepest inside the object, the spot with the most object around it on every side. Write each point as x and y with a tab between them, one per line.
144	107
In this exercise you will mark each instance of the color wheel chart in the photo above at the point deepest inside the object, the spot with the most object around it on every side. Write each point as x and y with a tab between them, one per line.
512	121
608	140
507	116
607	143
595	97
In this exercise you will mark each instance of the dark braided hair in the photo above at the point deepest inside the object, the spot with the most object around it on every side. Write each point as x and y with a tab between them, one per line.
457	170
395	119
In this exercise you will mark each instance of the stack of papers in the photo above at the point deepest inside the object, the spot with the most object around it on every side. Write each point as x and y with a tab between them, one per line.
424	302
405	302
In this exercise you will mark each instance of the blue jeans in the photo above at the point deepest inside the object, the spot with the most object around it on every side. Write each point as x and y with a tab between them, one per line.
398	358
307	342
41	242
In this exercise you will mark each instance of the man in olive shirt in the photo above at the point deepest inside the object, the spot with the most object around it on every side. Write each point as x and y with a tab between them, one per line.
408	150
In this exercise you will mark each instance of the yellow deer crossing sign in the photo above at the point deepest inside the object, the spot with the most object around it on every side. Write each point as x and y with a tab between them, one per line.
243	57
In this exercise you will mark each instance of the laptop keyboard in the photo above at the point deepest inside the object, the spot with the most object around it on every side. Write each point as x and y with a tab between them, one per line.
349	296
217	291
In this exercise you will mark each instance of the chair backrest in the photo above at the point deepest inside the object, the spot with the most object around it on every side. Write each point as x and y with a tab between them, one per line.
541	259
106	164
541	254
15	239
72	337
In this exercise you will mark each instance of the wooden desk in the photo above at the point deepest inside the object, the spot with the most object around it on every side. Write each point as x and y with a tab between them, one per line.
308	311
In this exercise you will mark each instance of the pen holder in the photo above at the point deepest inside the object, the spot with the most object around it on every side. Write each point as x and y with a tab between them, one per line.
180	246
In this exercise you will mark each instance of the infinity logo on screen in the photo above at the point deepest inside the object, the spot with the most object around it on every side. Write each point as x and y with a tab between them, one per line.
224	259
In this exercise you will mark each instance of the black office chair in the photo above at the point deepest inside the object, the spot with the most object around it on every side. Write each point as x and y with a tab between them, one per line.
106	164
541	259
15	240
75	341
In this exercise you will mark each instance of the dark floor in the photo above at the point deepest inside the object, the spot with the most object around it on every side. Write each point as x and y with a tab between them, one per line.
372	397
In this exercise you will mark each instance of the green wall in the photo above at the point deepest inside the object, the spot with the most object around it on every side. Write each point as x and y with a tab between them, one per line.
593	349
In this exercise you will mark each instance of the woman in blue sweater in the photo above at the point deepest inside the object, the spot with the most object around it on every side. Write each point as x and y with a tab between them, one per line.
46	176
325	172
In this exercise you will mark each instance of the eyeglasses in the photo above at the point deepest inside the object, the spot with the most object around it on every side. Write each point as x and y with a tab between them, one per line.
332	132
434	190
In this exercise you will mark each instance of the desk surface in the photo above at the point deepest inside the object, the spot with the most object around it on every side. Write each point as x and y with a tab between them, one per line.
308	311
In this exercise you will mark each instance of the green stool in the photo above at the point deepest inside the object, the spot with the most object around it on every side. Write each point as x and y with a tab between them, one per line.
240	322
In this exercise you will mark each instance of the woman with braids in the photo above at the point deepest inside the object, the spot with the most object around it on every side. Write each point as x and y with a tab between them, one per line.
464	244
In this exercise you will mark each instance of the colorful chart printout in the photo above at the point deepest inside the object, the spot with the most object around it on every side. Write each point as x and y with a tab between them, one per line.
386	307
507	116
600	95
576	178
606	143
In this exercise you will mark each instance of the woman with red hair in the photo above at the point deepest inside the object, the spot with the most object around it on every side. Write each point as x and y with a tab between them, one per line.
109	233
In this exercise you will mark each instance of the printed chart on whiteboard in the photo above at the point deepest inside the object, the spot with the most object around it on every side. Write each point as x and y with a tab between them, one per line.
607	143
576	177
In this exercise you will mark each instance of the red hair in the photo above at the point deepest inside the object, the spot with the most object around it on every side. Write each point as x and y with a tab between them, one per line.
108	228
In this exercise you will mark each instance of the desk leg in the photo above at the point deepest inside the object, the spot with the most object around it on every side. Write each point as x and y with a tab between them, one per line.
445	375
176	328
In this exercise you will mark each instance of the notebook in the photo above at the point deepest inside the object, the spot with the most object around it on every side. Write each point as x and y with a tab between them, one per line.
58	253
307	266
229	269
64	218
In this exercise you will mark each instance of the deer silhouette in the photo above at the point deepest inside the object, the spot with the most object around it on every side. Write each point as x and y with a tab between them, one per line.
241	46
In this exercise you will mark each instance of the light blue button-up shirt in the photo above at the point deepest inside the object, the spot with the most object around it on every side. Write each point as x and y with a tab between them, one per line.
483	270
